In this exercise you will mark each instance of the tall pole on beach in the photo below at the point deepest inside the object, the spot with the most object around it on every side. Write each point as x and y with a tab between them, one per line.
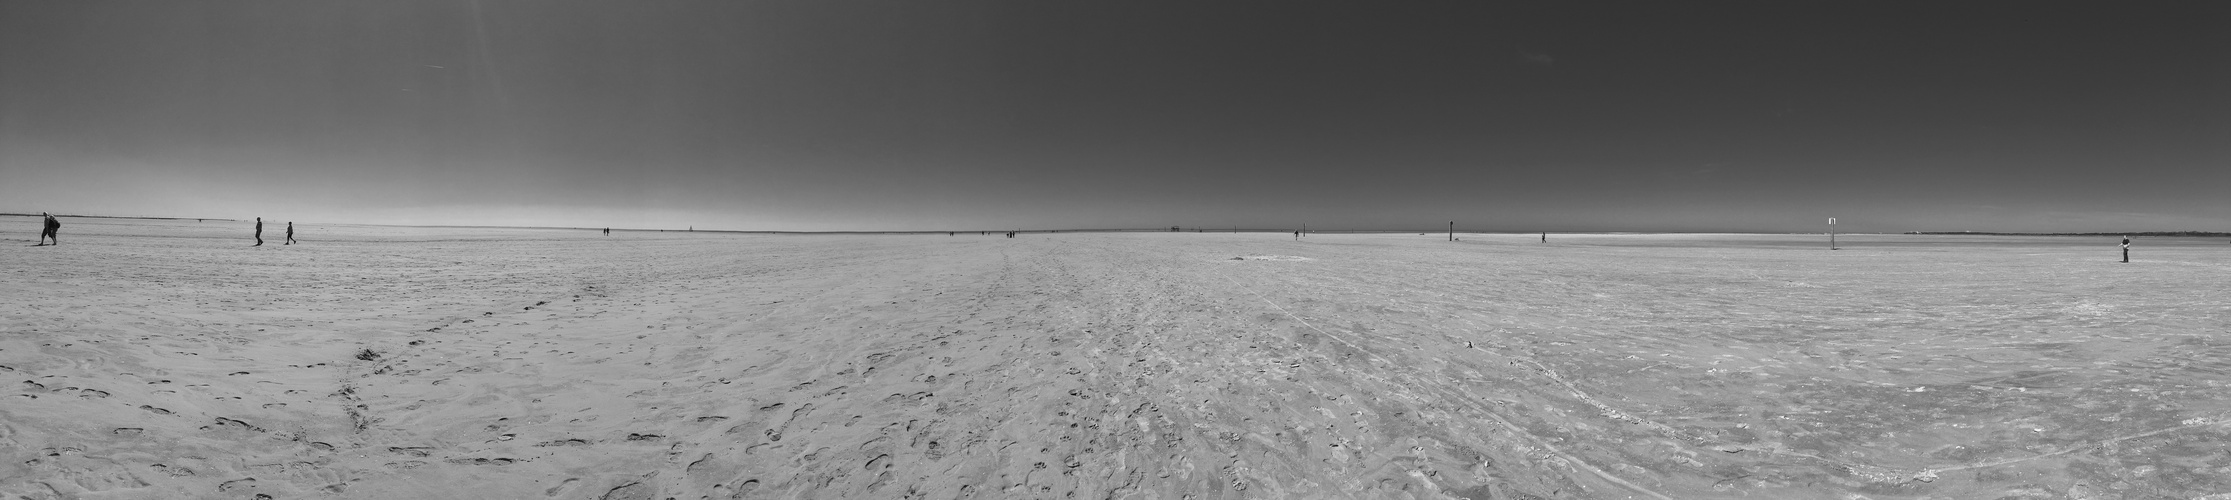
1452	230
1831	233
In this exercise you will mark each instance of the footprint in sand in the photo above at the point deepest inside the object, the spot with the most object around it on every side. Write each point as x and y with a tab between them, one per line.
227	423
632	491
740	490
563	487
172	471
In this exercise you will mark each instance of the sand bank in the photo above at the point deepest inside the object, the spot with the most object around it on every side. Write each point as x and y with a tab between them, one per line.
166	359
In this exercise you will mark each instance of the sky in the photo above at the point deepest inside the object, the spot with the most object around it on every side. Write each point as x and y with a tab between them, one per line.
967	115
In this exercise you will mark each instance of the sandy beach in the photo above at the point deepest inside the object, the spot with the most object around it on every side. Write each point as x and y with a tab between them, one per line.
169	359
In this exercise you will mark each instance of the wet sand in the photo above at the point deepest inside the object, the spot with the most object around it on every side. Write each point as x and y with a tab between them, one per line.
168	359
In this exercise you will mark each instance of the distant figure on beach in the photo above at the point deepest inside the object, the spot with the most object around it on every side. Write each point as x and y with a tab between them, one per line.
608	231
259	232
1297	235
48	229
2126	249
290	232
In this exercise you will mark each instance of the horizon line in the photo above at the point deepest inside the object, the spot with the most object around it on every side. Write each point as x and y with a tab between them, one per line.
2183	233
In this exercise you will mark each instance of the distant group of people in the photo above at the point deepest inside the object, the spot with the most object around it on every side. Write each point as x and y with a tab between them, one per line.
50	229
259	232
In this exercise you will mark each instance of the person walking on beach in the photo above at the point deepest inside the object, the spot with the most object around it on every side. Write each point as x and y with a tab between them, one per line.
259	232
608	231
2126	249
290	232
48	228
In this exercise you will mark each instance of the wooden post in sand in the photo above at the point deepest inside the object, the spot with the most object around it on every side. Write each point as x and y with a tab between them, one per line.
1831	233
1452	230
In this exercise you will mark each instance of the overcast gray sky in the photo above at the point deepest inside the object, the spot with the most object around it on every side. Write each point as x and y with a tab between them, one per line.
909	115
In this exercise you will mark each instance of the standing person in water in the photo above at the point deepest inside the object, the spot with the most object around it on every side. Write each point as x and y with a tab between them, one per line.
259	232
290	232
48	228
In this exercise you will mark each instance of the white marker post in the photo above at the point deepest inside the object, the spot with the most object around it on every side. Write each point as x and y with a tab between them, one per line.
1831	233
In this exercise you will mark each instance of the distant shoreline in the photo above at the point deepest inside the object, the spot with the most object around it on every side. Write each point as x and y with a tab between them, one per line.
118	217
2193	234
2185	234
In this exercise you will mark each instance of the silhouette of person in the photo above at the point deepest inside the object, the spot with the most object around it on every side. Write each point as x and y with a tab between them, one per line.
2126	249
1297	235
259	232
48	228
290	232
608	231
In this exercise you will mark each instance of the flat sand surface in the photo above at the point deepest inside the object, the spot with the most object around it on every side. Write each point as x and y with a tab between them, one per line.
168	359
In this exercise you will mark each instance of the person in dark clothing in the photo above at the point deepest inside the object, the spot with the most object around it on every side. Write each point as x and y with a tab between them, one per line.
259	231
608	231
48	229
290	232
